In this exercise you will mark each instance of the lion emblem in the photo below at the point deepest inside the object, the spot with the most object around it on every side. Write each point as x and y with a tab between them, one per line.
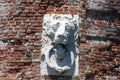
60	39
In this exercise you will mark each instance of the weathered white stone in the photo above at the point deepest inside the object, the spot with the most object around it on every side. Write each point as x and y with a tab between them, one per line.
60	43
4	10
3	45
97	4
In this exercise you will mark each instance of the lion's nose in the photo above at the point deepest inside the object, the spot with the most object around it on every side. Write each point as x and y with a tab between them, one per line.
61	39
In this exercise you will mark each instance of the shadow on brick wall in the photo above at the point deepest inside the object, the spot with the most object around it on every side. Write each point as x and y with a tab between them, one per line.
101	15
89	77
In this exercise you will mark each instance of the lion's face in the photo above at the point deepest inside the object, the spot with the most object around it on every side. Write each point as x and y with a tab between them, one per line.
59	28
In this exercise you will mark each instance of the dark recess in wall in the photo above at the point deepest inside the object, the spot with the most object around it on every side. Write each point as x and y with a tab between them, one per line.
101	15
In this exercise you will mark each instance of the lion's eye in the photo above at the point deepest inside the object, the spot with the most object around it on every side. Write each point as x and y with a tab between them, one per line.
58	17
55	26
58	24
68	27
48	21
66	24
44	24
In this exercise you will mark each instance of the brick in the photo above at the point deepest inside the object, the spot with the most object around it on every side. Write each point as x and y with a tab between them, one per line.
36	51
24	4
51	2
114	48
23	15
20	64
44	4
9	1
13	9
35	25
37	15
73	12
49	10
61	3
11	21
33	11
58	9
65	8
18	54
42	11
29	15
12	64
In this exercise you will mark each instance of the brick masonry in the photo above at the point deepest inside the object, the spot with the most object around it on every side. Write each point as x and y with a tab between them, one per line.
20	38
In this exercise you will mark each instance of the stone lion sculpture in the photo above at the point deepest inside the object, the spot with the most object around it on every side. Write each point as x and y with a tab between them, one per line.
60	42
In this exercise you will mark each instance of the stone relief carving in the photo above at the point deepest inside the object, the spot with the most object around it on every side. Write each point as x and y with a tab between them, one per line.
60	43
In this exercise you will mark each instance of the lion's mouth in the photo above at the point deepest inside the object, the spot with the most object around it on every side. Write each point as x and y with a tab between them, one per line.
59	50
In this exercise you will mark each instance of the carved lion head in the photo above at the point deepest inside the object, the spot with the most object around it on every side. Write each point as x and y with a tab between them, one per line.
60	39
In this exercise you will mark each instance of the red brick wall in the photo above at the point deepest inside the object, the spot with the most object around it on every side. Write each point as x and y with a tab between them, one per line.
21	27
